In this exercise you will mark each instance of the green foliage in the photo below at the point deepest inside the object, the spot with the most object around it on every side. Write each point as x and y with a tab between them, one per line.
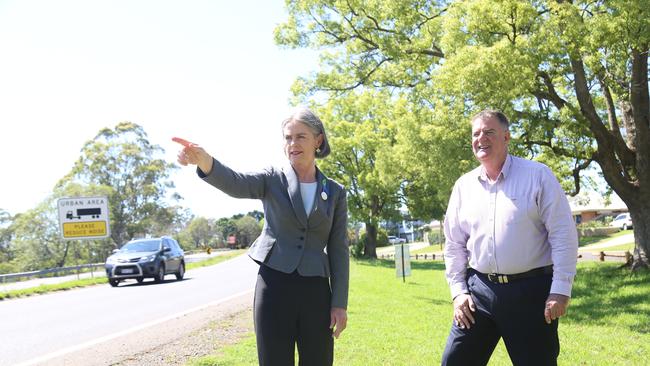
572	77
120	164
201	232
361	130
43	289
6	235
248	229
123	163
395	323
382	237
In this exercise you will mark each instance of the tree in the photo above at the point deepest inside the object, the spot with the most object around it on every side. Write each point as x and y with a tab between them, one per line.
573	76
6	235
7	230
257	215
37	239
248	229
123	163
361	131
199	230
226	227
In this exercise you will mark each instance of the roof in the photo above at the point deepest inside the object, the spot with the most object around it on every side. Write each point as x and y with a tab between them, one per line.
594	201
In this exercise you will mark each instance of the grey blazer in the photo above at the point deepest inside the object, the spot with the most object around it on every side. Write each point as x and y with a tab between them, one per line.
315	245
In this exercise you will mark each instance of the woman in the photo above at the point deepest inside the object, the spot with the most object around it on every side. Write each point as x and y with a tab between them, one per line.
302	286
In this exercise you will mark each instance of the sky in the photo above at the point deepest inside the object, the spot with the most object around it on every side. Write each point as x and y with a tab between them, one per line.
207	71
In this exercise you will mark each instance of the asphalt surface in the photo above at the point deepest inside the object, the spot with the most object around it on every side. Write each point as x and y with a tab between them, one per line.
35	282
36	329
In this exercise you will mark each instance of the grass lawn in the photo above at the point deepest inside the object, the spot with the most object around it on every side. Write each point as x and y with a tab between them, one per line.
216	259
395	323
588	240
622	247
428	249
101	280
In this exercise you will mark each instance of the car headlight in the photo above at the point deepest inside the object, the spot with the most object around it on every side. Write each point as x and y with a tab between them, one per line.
149	258
111	260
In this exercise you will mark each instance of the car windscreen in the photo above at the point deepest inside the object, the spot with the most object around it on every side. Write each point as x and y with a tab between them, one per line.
141	246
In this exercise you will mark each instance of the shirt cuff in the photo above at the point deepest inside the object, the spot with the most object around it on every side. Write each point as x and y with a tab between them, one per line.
458	289
561	287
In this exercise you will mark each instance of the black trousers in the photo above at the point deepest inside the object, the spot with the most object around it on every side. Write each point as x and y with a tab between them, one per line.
292	310
514	311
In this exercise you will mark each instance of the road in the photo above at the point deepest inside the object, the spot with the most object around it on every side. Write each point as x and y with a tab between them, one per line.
36	328
35	282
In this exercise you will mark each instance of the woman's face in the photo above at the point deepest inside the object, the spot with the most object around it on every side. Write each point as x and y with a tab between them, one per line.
300	144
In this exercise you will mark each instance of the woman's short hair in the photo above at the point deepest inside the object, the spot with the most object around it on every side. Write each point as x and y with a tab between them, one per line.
309	119
492	113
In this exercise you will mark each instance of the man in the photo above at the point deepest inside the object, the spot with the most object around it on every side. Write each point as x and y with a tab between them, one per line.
510	254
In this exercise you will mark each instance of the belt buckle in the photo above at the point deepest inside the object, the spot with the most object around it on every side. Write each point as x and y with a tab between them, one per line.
497	278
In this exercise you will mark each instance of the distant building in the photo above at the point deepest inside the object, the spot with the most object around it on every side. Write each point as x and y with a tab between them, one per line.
587	206
408	228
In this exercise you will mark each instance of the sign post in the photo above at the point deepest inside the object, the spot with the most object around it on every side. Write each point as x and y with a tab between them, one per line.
402	261
83	218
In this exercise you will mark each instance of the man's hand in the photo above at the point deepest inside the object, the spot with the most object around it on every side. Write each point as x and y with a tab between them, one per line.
556	306
339	318
193	154
463	309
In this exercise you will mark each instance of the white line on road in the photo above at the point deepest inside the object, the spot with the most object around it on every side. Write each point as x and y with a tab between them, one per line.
109	337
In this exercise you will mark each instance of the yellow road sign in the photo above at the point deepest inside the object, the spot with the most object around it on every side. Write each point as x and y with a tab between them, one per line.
84	229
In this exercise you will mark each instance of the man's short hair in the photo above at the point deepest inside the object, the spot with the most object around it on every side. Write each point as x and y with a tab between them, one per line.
493	113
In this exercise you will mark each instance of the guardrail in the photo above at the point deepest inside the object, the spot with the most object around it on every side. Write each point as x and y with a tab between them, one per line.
14	277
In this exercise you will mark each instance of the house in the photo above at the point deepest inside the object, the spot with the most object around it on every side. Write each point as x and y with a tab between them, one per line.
587	206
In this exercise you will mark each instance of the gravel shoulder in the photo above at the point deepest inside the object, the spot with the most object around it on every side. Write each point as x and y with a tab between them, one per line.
171	343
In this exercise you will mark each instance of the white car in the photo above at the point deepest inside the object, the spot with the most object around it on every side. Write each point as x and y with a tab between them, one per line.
622	221
396	240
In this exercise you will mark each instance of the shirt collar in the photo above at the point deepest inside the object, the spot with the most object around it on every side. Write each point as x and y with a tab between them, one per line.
505	170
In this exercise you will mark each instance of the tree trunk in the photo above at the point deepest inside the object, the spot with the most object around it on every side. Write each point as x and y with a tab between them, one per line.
61	262
640	214
370	247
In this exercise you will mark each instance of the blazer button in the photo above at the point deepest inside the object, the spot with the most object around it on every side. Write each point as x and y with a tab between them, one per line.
299	246
302	238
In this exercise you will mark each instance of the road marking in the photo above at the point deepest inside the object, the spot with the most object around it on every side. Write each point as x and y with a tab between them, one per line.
109	337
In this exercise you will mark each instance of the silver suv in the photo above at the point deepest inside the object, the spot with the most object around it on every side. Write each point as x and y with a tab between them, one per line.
146	258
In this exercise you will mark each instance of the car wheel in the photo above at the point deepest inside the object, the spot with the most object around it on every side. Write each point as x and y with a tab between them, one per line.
160	276
624	226
181	271
113	282
139	279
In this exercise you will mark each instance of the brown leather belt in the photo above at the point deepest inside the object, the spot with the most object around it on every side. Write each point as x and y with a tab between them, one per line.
507	278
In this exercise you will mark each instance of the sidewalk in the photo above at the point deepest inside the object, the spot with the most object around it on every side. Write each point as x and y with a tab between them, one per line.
391	249
610	243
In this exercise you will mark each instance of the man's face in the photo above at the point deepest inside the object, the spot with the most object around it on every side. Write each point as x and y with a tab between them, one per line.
489	140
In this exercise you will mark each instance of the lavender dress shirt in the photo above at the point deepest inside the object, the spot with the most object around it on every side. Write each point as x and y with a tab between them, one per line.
518	223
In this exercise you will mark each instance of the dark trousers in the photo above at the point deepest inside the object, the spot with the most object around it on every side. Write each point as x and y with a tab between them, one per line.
292	310
514	311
